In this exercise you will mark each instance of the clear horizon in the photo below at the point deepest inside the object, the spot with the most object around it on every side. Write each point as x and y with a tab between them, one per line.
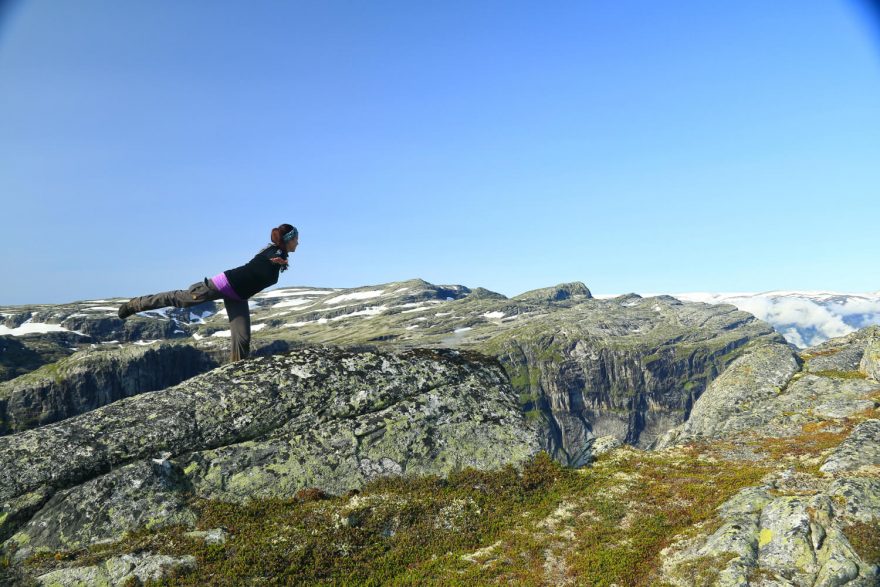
694	295
511	146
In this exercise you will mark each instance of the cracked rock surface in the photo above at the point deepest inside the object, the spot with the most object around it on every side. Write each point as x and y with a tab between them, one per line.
269	426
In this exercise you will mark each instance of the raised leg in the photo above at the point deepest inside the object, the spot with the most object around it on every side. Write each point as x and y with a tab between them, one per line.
200	291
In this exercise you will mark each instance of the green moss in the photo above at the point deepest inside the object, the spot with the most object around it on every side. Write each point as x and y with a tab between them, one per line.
533	415
551	354
704	571
865	539
651	358
840	374
429	530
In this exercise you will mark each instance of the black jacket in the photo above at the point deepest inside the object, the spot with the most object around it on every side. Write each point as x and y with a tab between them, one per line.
257	274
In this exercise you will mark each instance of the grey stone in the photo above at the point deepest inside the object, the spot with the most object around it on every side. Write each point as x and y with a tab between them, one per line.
118	570
269	426
861	449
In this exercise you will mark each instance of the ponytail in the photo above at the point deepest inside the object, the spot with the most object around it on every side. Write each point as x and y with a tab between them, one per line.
277	236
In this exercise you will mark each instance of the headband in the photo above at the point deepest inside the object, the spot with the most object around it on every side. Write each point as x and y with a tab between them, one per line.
291	235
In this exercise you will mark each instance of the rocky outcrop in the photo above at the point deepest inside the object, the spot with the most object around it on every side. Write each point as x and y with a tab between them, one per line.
859	453
773	392
556	293
17	358
268	426
799	539
730	404
98	375
118	570
816	416
870	362
843	354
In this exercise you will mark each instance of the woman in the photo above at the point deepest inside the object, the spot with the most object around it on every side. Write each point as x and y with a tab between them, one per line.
235	286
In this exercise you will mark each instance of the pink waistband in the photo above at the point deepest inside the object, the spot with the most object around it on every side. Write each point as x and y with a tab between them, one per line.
223	285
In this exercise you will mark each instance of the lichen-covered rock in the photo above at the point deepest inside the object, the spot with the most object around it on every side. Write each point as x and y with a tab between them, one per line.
844	353
785	541
732	550
212	536
860	451
737	399
118	570
795	538
870	363
141	494
268	426
791	530
804	399
859	498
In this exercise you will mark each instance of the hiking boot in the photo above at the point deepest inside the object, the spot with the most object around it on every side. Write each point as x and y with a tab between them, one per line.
126	310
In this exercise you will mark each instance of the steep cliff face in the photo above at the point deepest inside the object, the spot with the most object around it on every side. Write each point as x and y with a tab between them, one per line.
95	377
630	367
22	354
268	426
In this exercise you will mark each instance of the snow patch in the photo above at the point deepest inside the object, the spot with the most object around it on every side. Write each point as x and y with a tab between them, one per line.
370	311
293	302
298	324
301	372
492	315
200	318
280	293
358	295
36	327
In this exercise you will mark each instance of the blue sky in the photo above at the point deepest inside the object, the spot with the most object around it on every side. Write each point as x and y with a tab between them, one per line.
634	146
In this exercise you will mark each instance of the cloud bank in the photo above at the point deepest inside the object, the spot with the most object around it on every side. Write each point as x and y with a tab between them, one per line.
804	318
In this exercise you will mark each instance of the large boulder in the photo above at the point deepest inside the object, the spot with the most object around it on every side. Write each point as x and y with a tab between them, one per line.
268	426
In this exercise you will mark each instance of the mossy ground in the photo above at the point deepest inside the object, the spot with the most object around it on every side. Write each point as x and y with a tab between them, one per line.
865	539
840	374
537	524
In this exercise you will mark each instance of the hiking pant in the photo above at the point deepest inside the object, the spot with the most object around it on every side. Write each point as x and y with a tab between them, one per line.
205	291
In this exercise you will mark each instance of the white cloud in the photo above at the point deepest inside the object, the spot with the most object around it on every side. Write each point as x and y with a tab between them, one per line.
803	318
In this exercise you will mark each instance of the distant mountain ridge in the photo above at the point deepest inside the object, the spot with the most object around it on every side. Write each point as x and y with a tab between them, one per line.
804	318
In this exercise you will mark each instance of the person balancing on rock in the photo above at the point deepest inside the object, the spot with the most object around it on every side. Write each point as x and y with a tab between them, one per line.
235	286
